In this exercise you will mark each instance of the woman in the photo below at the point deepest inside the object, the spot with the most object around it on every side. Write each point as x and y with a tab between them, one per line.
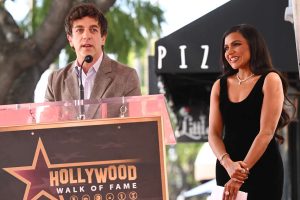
247	104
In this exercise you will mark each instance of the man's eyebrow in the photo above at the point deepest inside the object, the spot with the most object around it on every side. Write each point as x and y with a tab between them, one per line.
91	26
78	26
94	26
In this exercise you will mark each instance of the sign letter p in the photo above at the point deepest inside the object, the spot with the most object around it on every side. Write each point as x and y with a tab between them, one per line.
162	52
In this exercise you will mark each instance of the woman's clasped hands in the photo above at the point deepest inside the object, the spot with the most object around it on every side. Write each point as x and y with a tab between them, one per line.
238	172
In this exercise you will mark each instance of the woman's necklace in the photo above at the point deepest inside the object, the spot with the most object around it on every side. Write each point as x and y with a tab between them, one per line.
243	80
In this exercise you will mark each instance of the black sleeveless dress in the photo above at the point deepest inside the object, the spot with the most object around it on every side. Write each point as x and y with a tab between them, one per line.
241	125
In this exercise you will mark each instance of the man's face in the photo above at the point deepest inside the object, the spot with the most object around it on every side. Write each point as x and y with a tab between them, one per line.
86	38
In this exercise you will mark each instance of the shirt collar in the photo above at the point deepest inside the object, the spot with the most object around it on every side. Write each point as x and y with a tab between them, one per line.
95	66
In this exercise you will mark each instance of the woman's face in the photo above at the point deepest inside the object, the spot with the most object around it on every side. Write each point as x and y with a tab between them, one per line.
237	51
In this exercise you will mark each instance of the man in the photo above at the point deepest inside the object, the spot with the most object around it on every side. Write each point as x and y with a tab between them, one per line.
86	29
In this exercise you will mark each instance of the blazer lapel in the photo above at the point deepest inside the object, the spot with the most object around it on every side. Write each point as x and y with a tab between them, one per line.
102	81
72	89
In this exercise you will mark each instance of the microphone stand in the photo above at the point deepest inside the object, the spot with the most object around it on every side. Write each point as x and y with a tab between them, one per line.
81	116
81	94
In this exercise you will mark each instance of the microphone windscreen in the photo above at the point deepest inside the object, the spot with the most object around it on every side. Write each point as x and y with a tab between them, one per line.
88	58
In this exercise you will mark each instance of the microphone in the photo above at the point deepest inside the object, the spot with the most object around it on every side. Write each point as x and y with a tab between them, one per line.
87	59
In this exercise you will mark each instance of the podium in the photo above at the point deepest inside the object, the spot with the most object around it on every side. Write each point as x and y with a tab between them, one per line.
85	150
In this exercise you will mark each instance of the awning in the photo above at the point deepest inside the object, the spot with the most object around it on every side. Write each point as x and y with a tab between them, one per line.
195	48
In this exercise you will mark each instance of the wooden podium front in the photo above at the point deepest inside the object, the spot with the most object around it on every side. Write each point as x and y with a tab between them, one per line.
92	159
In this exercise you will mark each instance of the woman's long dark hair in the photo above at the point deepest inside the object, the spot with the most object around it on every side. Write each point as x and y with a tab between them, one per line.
260	62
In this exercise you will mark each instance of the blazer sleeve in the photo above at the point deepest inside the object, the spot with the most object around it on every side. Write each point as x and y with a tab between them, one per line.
49	96
132	87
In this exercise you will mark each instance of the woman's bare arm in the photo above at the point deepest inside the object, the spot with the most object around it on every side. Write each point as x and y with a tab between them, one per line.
270	114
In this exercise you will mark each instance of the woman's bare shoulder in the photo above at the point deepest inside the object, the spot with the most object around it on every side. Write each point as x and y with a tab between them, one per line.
272	78
216	87
272	82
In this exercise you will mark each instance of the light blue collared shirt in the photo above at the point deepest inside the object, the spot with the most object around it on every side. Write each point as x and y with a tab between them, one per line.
88	79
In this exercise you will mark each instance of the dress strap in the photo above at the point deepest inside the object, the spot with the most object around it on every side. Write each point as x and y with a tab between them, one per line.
261	80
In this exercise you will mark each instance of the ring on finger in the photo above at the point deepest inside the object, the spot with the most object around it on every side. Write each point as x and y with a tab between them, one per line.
227	193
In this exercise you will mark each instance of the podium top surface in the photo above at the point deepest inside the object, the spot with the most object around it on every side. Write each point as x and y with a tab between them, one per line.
51	112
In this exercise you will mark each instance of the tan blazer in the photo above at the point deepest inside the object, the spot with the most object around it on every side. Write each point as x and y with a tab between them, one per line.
113	79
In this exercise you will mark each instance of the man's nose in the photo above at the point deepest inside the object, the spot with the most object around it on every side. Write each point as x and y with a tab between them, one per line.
86	33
